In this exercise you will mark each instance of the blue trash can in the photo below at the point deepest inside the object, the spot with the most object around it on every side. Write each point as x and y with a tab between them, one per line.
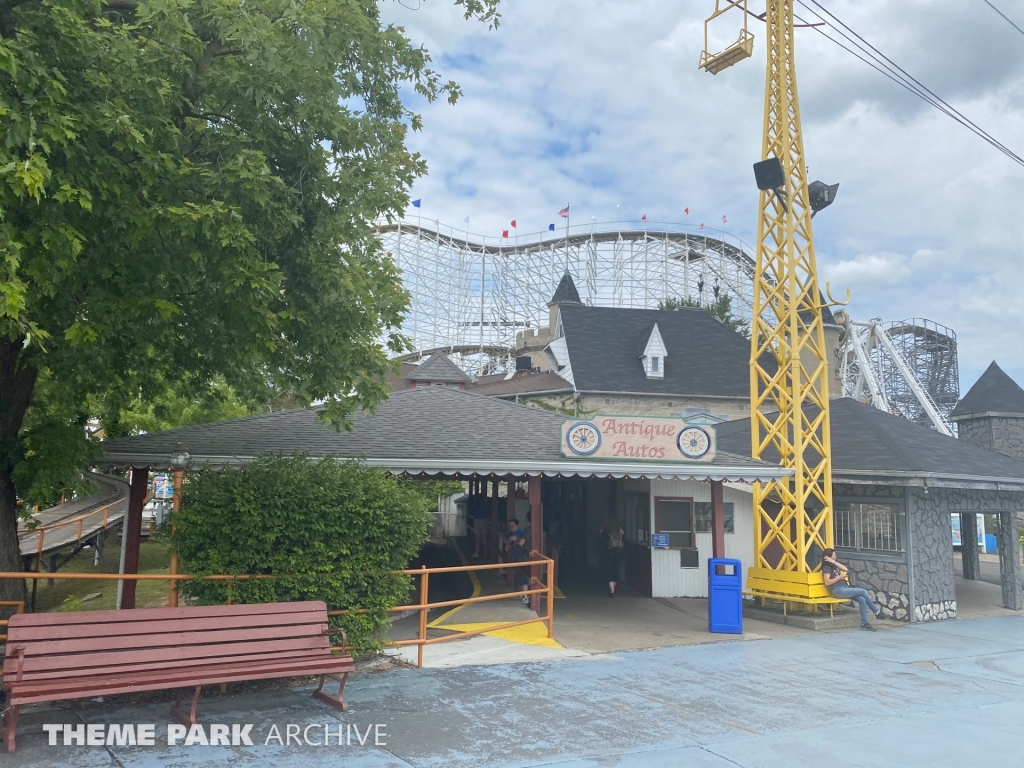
725	596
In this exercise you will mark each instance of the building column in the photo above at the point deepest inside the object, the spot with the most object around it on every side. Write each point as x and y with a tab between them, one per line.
492	546
969	545
717	519
536	536
131	535
1009	561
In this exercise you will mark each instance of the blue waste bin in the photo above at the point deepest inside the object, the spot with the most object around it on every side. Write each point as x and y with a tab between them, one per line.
725	596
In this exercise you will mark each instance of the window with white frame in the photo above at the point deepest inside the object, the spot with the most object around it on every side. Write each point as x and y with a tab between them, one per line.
868	527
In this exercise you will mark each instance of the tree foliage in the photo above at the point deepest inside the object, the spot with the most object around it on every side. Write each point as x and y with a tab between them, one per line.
333	529
187	194
720	309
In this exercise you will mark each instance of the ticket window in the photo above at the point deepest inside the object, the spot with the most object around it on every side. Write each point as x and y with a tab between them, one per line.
675	517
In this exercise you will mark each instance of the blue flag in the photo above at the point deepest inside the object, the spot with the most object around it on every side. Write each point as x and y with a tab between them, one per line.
551	227
416	203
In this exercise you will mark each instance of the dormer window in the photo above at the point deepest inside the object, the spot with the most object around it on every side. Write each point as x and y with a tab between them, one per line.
654	353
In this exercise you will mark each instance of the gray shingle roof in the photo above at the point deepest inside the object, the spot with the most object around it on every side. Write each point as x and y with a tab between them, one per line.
994	392
704	356
866	440
566	292
438	367
521	385
439	428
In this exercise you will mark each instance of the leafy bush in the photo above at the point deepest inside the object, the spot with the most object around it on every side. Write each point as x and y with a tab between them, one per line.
333	529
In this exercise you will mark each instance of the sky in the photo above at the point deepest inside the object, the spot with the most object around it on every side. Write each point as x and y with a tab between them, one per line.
600	104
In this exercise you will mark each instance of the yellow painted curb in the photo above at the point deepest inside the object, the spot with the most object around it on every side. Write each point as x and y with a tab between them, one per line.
528	634
476	589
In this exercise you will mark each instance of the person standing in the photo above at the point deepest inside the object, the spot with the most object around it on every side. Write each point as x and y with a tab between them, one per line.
834	574
613	544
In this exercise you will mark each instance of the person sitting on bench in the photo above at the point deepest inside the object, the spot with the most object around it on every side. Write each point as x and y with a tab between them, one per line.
834	574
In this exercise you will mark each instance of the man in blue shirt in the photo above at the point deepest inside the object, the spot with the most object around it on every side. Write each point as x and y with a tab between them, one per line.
517	541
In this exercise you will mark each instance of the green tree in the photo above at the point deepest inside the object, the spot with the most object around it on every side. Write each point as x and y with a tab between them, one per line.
188	191
335	530
720	309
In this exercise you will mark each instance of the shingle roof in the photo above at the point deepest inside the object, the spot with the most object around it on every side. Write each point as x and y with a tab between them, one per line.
521	385
438	367
566	292
866	440
421	429
705	357
994	392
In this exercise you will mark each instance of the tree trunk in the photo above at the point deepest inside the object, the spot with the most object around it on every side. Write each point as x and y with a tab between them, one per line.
17	383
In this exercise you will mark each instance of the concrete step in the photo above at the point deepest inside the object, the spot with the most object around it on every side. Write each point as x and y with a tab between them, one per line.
845	619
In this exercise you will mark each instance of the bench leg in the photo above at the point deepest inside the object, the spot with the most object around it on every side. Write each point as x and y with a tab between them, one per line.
190	718
337	703
9	726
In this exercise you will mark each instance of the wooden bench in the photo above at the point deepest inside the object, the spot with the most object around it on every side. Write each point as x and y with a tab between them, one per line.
790	587
57	656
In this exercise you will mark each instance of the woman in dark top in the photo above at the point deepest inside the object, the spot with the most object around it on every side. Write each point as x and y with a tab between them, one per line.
613	542
834	574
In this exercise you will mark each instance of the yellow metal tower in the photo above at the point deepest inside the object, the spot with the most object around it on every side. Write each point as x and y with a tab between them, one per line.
789	364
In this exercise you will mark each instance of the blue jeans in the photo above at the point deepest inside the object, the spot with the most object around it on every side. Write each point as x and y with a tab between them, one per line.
859	596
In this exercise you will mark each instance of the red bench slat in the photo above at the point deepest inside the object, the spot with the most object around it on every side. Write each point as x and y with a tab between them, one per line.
169	639
73	674
145	614
181	654
233	677
124	628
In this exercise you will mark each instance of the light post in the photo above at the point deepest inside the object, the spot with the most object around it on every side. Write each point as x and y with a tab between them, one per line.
179	462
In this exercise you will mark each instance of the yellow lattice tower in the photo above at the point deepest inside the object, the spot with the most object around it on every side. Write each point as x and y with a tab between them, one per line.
789	364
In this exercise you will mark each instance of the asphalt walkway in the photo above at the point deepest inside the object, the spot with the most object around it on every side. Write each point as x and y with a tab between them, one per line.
932	695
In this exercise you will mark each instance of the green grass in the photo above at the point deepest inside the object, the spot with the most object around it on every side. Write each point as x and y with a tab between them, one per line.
154	557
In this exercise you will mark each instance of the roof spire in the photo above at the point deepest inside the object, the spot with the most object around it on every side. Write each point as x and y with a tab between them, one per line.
566	292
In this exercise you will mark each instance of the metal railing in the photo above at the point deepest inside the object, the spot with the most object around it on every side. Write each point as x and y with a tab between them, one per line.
873	527
79	522
545	587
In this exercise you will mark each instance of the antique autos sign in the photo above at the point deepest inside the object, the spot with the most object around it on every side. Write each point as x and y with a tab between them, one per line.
639	438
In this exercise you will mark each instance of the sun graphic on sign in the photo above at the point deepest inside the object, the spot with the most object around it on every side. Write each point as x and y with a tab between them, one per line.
583	438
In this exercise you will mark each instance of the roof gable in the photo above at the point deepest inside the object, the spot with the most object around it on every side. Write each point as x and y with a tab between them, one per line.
994	392
438	367
702	355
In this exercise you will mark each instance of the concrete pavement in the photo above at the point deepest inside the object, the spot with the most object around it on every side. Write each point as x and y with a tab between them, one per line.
942	694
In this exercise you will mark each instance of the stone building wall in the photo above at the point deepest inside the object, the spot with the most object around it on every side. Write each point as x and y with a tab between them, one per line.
932	550
884	576
1002	434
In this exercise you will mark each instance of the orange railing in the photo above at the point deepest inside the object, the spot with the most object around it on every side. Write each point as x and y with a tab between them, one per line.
76	521
545	587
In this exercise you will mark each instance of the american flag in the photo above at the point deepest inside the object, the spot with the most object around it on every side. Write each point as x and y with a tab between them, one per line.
564	213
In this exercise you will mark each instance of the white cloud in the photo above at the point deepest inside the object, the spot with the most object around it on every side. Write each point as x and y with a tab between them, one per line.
599	102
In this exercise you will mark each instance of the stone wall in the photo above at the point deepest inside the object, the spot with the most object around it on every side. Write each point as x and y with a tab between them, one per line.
886	582
884	576
932	550
1002	434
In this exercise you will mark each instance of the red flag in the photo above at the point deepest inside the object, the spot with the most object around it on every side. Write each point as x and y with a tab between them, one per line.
644	217
513	223
504	233
686	211
725	220
702	225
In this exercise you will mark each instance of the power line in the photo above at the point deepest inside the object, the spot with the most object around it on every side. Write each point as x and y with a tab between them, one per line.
1004	16
882	63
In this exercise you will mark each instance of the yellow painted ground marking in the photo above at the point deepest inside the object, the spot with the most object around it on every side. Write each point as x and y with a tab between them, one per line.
476	590
528	634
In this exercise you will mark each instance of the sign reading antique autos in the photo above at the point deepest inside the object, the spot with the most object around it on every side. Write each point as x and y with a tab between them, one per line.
633	437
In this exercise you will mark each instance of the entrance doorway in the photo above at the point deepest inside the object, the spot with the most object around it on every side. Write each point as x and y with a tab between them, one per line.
986	563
